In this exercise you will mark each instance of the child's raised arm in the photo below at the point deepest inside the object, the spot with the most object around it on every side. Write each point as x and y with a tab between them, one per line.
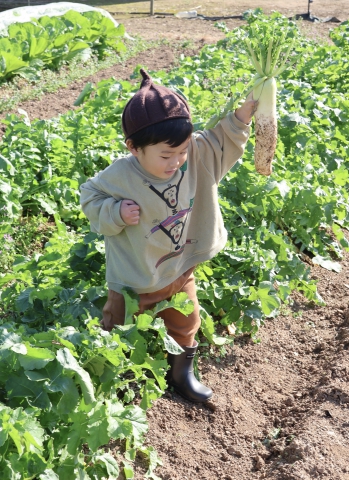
222	146
247	110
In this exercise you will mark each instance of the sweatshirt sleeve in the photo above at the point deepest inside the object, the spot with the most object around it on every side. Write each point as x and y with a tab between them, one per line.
222	146
101	208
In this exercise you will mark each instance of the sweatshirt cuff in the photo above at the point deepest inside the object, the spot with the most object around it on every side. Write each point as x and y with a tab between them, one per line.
238	123
116	215
235	124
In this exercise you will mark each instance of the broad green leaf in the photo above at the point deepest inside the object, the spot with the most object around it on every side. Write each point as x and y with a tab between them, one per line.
126	422
341	176
48	205
149	393
115	356
128	471
96	365
86	93
19	387
19	348
337	230
270	303
98	427
158	369
171	345
109	462
327	263
154	462
70	395
76	47
131	305
24	429
254	311
49	475
5	187
38	46
179	301
69	363
63	39
10	63
208	329
81	474
24	301
310	292
6	45
35	358
282	187
29	465
143	321
77	432
140	346
6	165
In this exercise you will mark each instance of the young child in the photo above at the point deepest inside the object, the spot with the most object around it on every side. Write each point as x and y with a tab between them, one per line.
158	211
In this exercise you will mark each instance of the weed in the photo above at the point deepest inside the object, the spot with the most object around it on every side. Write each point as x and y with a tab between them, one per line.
28	236
188	44
285	310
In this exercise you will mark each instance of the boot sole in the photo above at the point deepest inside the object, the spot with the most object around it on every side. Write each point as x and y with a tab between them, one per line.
190	399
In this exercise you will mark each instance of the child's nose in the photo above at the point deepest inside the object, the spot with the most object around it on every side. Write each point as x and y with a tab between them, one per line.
175	161
178	159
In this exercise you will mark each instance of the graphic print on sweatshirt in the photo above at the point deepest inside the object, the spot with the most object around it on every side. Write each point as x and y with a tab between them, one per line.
172	226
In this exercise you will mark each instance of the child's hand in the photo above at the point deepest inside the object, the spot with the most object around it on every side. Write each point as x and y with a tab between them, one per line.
129	212
247	110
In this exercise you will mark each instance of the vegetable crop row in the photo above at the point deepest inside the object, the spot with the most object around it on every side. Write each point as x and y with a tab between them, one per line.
270	229
49	42
51	300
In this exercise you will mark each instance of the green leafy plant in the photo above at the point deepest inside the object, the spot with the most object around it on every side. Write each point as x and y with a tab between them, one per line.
68	392
77	386
51	41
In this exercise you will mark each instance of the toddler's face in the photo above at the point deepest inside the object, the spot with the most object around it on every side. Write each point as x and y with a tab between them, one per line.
161	160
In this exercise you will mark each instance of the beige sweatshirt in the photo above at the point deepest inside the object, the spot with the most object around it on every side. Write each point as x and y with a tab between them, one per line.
180	221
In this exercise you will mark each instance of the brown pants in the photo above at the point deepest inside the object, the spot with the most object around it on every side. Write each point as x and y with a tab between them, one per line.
182	328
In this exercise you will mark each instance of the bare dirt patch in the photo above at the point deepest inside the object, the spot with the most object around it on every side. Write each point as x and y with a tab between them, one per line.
280	407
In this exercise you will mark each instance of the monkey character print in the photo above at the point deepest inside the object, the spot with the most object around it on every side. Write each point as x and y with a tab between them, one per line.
173	225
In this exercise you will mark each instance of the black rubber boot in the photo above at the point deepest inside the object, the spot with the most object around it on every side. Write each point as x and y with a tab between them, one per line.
181	376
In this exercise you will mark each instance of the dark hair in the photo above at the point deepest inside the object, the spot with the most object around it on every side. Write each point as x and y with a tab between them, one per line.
174	132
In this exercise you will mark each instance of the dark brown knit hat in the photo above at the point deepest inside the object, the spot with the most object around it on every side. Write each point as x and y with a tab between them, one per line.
152	104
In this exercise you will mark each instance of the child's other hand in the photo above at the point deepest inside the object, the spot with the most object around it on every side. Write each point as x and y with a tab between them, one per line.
129	212
247	110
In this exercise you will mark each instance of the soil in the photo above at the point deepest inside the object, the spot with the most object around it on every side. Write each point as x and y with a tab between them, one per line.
280	406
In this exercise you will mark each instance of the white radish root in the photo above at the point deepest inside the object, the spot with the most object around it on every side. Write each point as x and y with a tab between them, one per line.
265	126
